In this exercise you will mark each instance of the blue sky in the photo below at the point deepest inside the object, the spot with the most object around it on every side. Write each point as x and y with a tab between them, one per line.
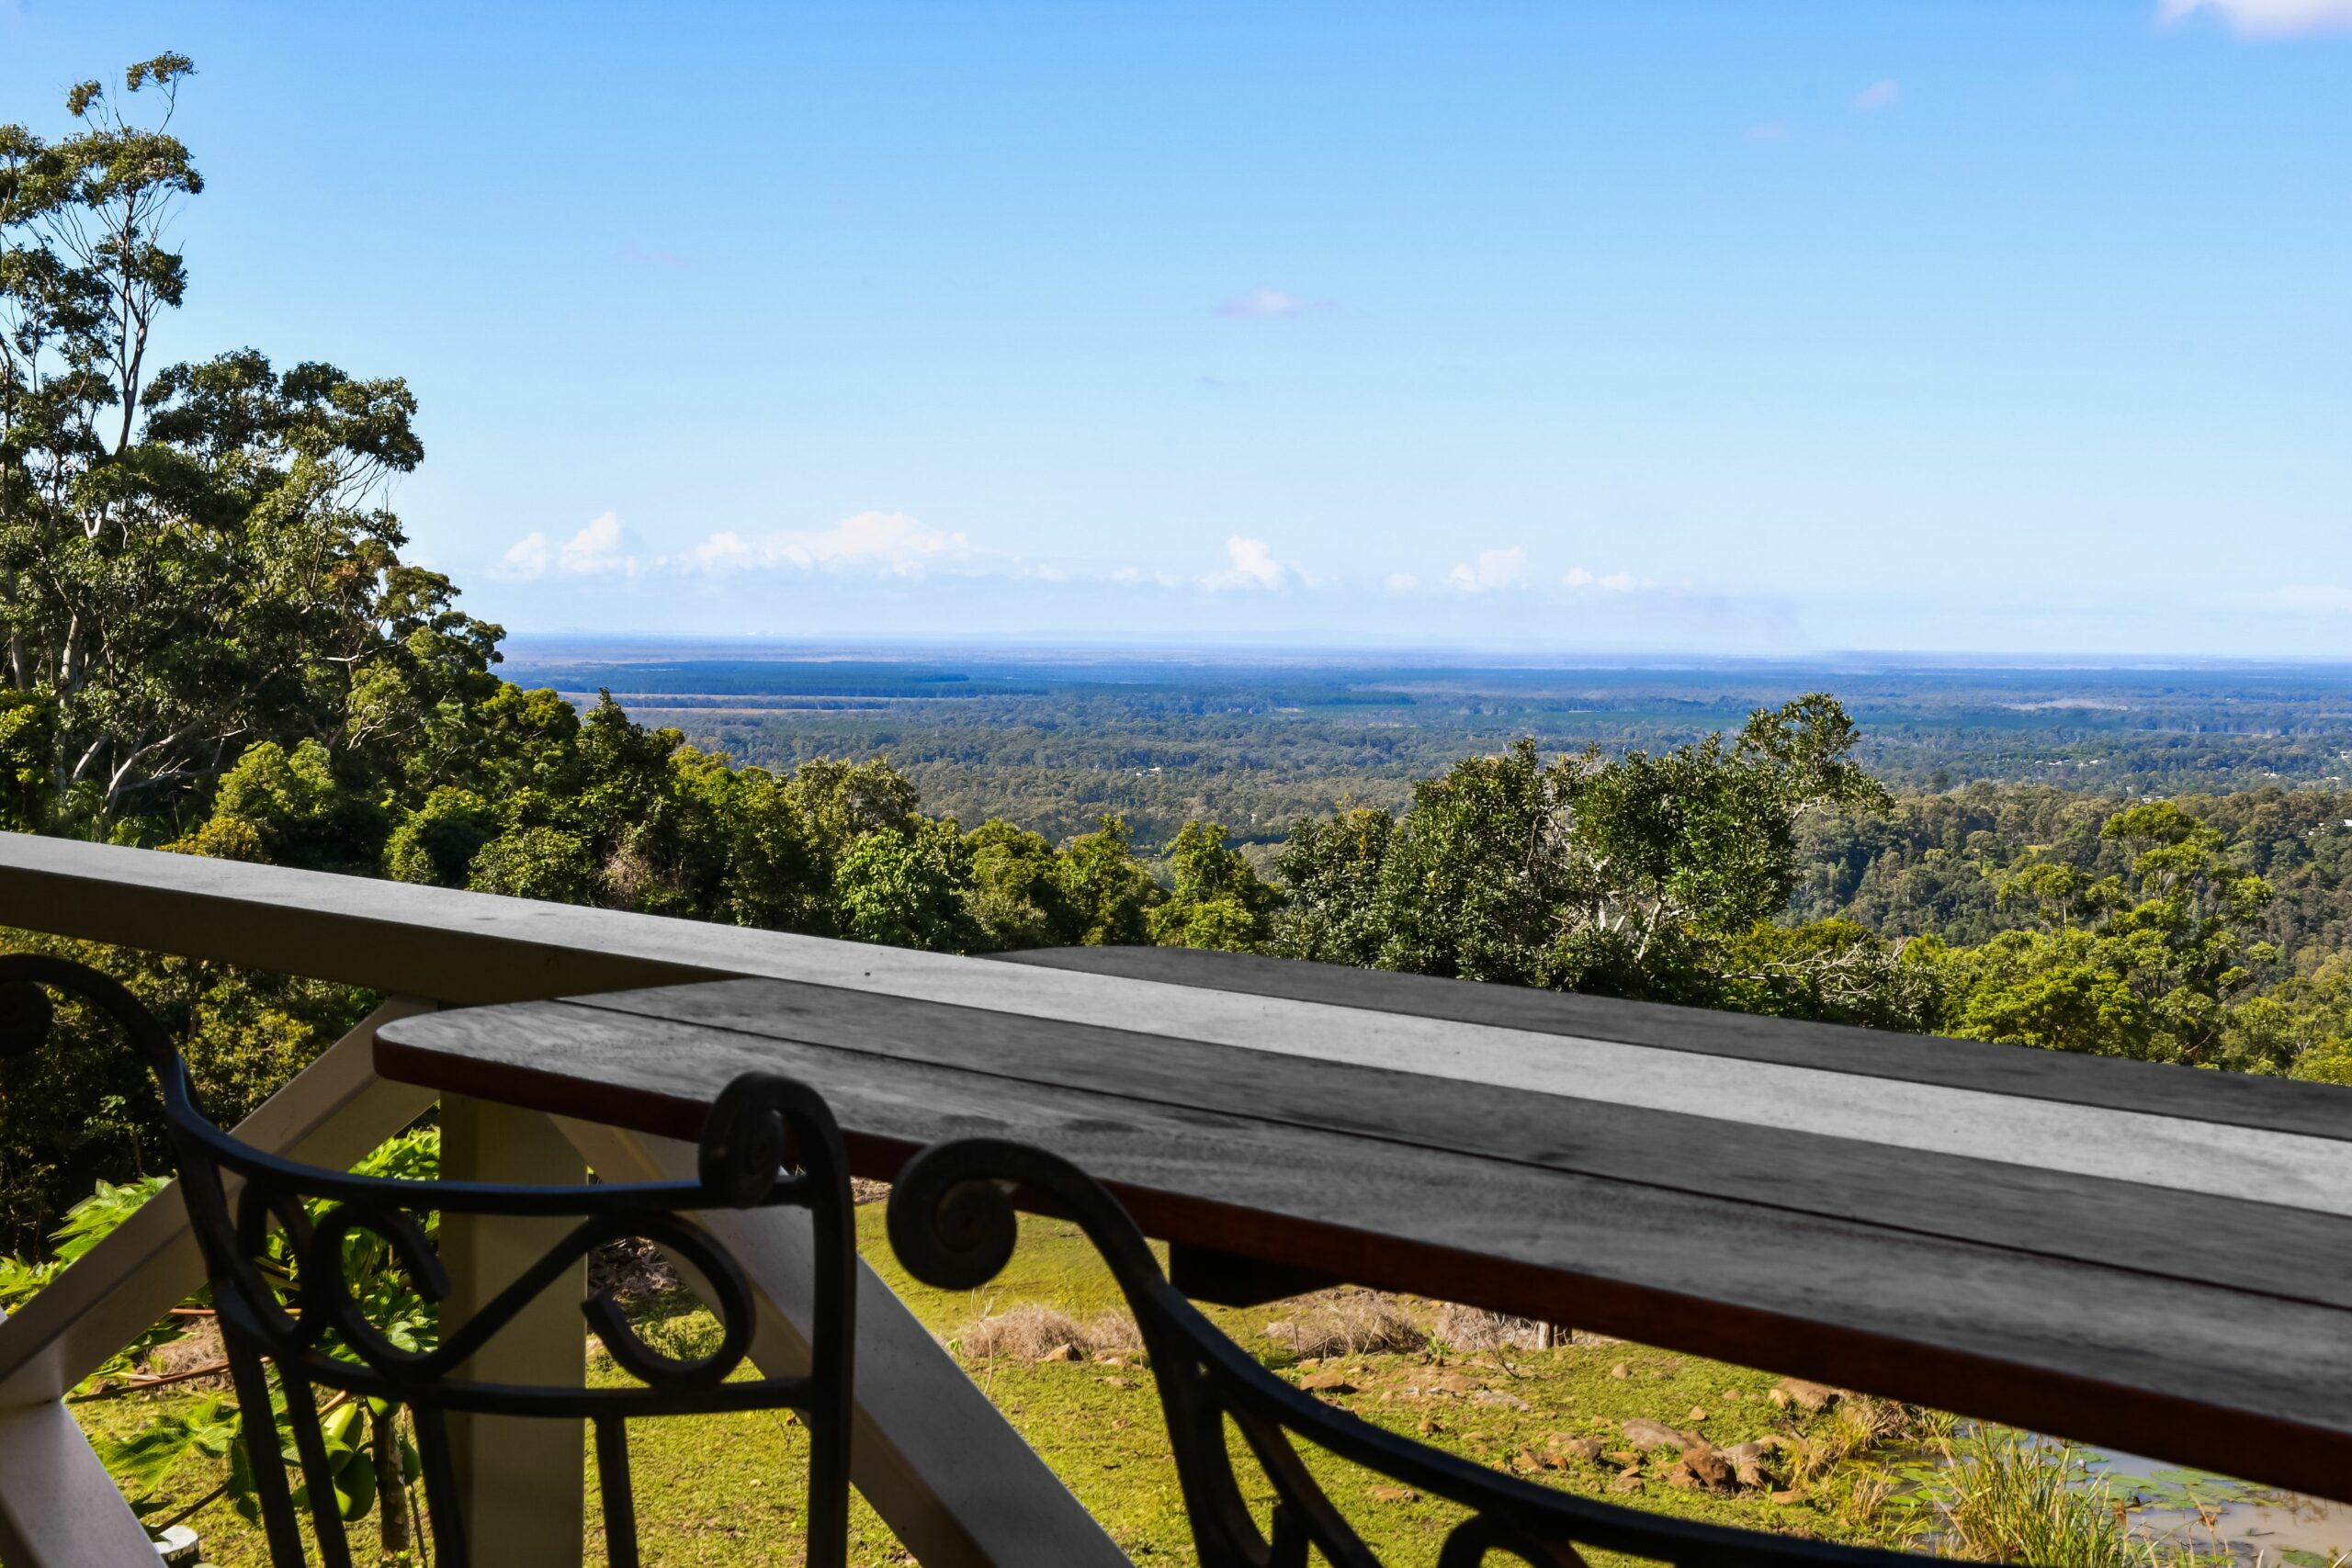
1734	328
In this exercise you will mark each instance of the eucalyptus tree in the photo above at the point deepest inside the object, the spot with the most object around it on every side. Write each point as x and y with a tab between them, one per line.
193	559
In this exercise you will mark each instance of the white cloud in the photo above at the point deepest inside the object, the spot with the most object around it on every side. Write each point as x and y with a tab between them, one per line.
1880	94
2312	599
600	549
2264	18
1268	304
1402	583
1492	568
526	557
1612	582
890	544
1250	565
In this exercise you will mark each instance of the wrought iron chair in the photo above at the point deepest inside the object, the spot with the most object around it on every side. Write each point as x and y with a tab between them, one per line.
300	1312
952	1223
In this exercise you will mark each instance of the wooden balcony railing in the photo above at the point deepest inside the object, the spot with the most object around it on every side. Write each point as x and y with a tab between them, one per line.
953	1480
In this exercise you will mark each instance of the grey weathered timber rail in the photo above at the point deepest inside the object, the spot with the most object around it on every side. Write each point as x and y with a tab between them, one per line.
2082	1246
954	1481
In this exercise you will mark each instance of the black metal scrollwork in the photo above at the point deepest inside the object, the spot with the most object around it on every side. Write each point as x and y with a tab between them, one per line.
283	1293
951	1223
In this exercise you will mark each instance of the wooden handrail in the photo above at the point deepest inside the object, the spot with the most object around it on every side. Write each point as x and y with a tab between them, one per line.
994	1505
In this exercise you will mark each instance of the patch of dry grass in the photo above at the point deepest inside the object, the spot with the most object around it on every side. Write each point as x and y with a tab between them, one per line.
1032	1332
1472	1328
1349	1323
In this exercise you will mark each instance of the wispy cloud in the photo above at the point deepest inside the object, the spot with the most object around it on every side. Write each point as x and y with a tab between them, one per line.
2311	598
1578	578
1884	93
2264	18
1249	564
1268	304
1489	569
887	544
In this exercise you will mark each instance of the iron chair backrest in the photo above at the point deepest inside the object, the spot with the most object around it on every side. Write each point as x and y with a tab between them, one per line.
951	1225
302	1316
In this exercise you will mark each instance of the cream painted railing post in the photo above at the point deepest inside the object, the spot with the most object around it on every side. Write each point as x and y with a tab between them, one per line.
521	1482
958	1485
59	1507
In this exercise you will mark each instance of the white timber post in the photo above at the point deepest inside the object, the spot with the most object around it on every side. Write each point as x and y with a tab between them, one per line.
521	1481
59	1507
946	1472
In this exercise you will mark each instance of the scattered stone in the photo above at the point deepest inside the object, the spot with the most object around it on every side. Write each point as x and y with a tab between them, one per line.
1585	1449
1698	1413
1063	1352
1681	1475
1496	1396
1733	1395
1629	1482
1525	1462
1778	1396
1623	1459
1643	1433
1395	1494
1809	1397
1621	1370
1431	1425
1109	1361
1747	1460
1706	1462
1329	1379
1118	1382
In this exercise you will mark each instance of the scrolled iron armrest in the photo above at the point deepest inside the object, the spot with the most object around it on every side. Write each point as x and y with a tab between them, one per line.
952	1223
767	1141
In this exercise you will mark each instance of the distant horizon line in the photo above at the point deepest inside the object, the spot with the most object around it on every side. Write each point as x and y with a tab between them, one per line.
788	650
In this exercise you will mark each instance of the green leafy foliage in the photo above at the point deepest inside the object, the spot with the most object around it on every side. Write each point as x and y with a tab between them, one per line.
363	1437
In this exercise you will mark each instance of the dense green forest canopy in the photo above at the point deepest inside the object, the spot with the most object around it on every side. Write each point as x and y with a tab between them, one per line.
215	647
1053	739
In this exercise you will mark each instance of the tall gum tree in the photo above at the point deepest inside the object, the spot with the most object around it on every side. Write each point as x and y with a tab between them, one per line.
195	558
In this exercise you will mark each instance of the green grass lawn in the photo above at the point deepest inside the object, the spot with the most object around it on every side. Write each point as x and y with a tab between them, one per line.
729	1490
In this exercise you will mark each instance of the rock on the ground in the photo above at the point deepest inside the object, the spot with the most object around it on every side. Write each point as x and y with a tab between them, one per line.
1585	1449
1809	1397
1063	1352
1706	1463
1327	1380
1645	1433
1747	1460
